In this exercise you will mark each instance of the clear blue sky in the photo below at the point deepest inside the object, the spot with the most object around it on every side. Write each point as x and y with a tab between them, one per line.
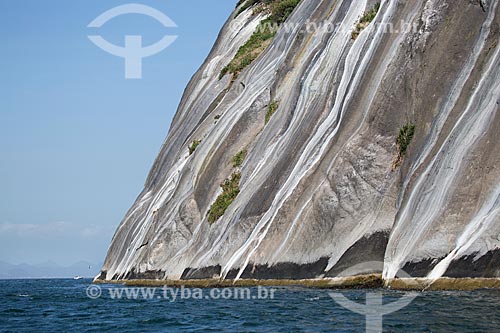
76	138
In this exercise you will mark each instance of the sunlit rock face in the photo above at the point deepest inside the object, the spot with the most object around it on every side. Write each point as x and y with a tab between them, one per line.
321	187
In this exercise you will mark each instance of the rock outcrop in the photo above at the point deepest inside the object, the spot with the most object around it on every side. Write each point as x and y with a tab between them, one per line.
325	183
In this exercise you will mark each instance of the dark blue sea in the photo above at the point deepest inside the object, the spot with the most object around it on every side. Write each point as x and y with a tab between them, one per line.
61	305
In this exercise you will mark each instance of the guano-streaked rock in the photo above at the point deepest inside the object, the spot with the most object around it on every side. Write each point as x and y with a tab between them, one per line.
319	190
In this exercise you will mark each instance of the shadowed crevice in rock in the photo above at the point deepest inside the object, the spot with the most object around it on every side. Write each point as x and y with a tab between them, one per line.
487	266
101	276
148	275
201	273
420	268
368	249
282	271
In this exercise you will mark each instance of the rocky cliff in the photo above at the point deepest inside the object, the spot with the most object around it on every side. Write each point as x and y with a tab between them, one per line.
360	131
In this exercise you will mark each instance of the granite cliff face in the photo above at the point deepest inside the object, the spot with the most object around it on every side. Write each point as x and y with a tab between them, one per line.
333	178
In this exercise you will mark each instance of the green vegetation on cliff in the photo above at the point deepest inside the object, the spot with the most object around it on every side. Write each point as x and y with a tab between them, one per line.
230	189
365	20
238	159
279	11
193	146
250	50
403	140
271	109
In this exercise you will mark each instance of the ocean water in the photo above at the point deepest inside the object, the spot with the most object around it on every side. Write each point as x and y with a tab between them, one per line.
64	306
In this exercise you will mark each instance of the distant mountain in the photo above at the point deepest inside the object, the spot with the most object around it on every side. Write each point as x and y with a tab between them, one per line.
48	270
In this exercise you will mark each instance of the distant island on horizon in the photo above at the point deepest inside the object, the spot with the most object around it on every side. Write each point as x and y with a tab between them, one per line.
48	270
